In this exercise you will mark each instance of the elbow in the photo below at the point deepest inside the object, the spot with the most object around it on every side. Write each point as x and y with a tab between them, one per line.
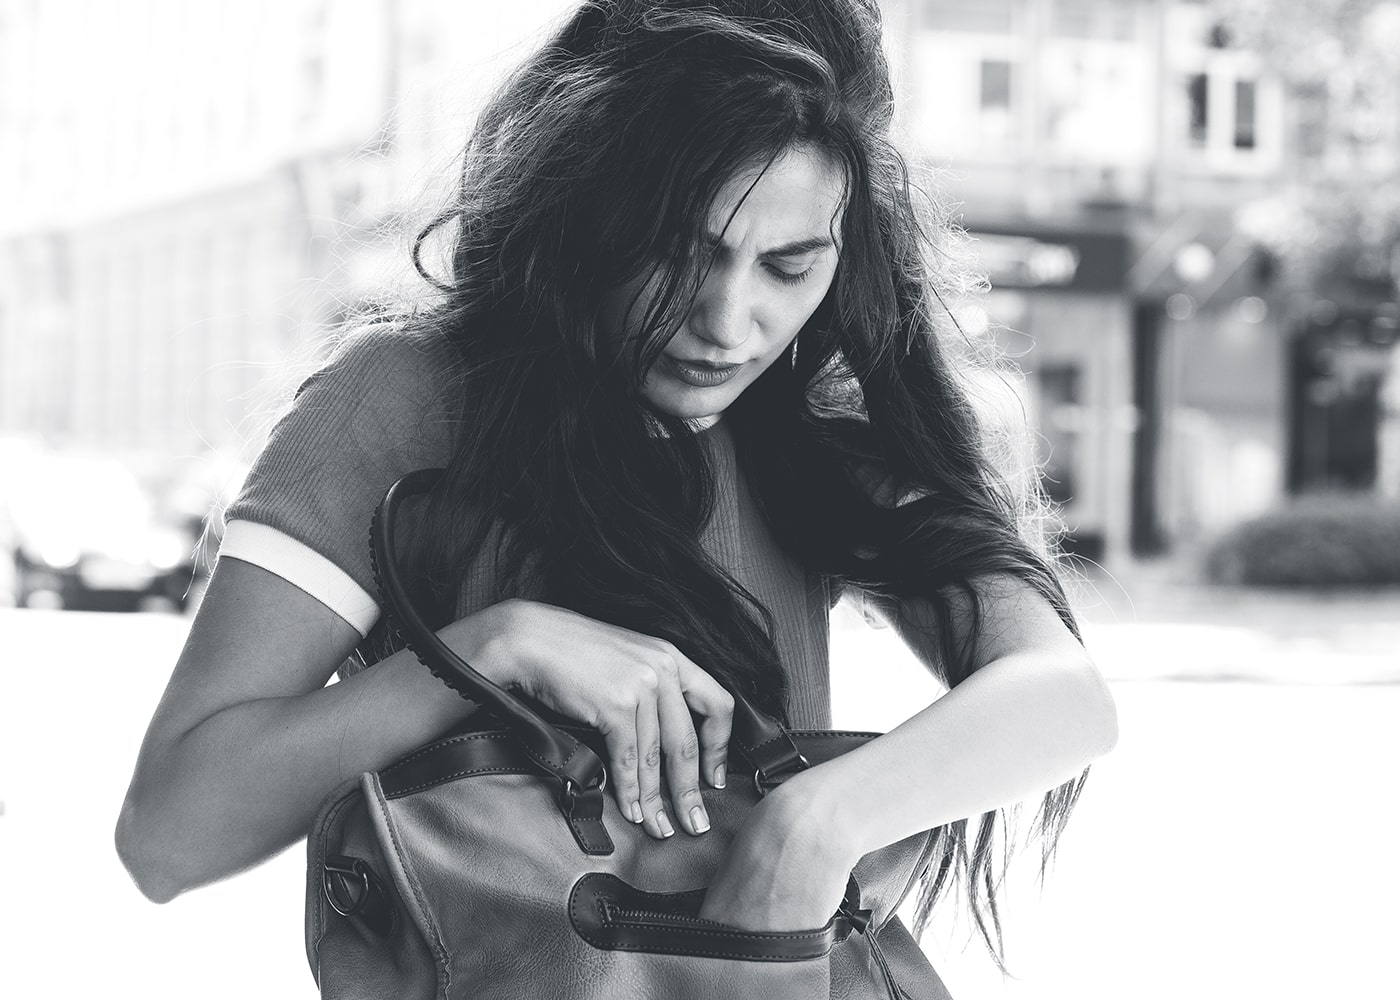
1100	718
147	864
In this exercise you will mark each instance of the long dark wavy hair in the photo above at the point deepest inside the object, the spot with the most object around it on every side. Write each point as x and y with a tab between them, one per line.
597	162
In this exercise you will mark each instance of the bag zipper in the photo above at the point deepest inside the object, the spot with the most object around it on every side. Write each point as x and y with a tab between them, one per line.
615	914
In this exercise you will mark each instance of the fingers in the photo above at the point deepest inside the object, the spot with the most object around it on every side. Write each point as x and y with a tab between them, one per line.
623	754
639	692
708	699
653	736
682	753
655	820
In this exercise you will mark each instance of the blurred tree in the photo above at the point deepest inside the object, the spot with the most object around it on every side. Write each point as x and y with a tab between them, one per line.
1335	226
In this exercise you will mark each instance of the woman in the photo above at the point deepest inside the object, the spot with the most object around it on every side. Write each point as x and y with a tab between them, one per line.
687	382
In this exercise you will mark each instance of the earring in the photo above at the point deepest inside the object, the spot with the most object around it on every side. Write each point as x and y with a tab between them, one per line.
794	354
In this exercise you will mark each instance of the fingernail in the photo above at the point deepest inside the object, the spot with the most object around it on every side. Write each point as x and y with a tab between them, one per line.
664	823
634	812
698	819
719	776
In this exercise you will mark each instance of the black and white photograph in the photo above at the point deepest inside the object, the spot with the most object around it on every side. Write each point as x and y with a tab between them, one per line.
689	499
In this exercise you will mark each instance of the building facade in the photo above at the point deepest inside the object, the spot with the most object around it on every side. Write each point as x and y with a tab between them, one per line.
1166	391
200	191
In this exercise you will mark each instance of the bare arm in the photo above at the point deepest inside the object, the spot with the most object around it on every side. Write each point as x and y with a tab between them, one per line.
248	739
1032	715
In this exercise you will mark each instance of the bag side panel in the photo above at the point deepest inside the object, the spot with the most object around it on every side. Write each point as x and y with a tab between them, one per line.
911	969
856	974
325	826
351	959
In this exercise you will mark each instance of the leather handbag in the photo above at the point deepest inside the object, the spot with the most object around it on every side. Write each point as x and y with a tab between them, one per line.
491	863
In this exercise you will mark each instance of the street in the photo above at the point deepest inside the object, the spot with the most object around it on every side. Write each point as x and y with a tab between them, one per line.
1239	842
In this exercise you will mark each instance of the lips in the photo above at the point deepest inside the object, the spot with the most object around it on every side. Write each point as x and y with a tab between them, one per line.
699	373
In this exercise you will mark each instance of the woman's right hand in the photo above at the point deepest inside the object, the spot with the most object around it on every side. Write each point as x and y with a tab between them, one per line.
637	690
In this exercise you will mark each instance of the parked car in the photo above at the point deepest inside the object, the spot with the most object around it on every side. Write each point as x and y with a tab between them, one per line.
85	533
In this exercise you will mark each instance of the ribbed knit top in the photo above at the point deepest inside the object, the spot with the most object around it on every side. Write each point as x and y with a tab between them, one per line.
377	410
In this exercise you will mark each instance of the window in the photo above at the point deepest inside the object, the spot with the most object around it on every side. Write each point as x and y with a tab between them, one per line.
1198	98
1230	114
1227	109
996	85
1244	114
967	93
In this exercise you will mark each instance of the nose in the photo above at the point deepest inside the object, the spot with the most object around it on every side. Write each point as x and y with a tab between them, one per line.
722	313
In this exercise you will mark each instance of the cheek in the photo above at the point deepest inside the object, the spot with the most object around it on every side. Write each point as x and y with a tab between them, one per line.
795	307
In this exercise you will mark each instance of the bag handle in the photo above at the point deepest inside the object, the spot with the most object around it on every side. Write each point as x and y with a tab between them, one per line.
581	775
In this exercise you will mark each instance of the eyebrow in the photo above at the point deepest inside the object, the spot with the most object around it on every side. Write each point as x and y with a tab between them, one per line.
794	249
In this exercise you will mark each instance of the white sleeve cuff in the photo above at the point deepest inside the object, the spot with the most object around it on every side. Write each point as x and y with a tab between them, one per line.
303	567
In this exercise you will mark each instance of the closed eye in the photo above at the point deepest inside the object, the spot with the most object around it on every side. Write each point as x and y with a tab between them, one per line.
790	277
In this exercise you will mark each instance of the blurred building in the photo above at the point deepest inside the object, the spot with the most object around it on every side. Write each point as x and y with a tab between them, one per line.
198	190
193	192
1107	154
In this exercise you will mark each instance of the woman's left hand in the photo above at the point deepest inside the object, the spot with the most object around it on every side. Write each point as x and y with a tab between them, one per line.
787	867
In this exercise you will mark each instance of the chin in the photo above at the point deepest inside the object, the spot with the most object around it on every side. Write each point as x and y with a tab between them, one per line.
694	404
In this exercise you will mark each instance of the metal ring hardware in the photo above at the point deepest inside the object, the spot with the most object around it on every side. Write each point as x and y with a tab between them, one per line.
336	872
571	788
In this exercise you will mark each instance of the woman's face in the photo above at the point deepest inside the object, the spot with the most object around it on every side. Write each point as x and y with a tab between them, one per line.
772	266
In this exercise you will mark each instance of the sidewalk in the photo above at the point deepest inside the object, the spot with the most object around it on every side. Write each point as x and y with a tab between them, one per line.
1157	621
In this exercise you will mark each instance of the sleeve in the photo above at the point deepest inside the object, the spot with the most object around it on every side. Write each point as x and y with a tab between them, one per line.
374	412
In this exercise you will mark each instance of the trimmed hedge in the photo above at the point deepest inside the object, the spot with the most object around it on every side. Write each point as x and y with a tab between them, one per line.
1334	540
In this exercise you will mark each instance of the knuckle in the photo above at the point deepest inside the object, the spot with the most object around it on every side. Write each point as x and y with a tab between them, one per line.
690	794
652	797
648	682
622	704
653	756
689	748
667	662
627	757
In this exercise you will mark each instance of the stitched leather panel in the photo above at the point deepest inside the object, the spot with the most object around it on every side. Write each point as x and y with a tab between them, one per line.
440	874
452	758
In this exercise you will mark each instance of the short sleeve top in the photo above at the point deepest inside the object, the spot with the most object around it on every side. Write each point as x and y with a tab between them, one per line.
377	410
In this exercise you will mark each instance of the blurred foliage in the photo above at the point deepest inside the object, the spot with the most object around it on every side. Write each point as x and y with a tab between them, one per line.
1309	40
1332	540
1336	226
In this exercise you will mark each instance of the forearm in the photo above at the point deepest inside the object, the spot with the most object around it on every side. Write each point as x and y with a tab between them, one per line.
246	782
1016	728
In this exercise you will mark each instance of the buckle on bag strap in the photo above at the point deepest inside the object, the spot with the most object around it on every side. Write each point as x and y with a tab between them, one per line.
761	778
582	808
